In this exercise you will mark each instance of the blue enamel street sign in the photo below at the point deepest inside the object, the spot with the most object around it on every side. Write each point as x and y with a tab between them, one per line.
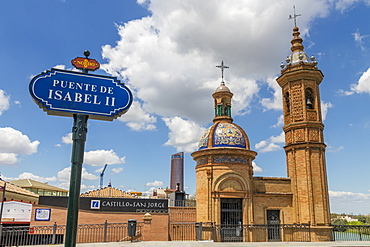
64	93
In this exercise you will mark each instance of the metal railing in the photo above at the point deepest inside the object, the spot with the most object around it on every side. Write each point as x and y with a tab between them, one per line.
180	231
239	233
87	233
183	203
351	232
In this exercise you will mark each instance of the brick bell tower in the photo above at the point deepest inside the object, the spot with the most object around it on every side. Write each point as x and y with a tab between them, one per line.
304	138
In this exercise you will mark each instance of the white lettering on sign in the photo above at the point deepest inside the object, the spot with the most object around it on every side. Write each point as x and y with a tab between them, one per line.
133	204
78	97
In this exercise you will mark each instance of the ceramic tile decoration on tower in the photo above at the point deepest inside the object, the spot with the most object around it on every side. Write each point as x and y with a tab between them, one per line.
228	193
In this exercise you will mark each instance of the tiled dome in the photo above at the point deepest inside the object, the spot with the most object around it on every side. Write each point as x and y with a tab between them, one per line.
224	134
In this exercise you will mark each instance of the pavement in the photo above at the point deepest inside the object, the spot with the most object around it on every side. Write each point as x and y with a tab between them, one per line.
218	244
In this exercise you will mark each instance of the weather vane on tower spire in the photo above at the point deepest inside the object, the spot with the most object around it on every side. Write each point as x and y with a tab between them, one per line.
222	67
294	16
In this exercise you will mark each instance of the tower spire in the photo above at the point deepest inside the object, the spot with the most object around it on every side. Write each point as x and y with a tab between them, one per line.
222	97
298	55
296	42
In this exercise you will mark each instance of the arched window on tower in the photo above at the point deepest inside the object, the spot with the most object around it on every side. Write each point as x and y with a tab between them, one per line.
225	108
219	110
287	102
309	98
222	108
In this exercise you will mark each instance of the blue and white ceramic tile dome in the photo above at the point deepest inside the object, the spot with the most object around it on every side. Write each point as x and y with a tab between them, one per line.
224	134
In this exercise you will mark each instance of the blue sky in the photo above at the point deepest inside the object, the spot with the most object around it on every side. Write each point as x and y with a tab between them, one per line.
166	53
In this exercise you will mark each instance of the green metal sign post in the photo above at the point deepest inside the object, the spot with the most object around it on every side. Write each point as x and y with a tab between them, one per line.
83	96
79	138
79	131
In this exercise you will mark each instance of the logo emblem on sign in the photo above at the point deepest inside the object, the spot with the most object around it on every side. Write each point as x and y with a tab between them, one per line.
85	63
95	204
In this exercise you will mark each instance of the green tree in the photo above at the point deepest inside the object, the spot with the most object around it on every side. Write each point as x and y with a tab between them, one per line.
340	222
355	223
361	218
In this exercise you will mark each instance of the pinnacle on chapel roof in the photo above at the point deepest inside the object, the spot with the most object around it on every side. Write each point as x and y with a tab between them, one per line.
298	54
296	42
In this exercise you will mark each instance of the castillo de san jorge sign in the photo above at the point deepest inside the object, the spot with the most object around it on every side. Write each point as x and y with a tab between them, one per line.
64	93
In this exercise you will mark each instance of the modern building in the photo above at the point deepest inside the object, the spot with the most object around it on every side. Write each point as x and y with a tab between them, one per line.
177	172
228	193
42	189
13	192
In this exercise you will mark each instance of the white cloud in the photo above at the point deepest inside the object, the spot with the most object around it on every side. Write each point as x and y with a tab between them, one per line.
148	192
155	184
64	185
244	91
279	139
363	85
4	101
256	168
270	145
359	39
325	106
137	119
60	66
65	175
344	5
342	92
280	122
276	102
84	188
184	134
14	143
36	177
67	139
117	170
342	202
102	157
169	58
100	169
32	176
8	158
334	150
261	144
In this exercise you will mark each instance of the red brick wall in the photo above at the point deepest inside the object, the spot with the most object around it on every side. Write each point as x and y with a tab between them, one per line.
156	230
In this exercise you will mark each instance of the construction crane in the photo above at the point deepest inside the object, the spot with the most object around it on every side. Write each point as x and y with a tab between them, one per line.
101	176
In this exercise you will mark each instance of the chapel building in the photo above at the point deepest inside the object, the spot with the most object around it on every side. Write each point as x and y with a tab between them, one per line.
227	193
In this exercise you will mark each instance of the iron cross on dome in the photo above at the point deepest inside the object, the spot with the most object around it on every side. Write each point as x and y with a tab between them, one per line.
222	67
294	16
